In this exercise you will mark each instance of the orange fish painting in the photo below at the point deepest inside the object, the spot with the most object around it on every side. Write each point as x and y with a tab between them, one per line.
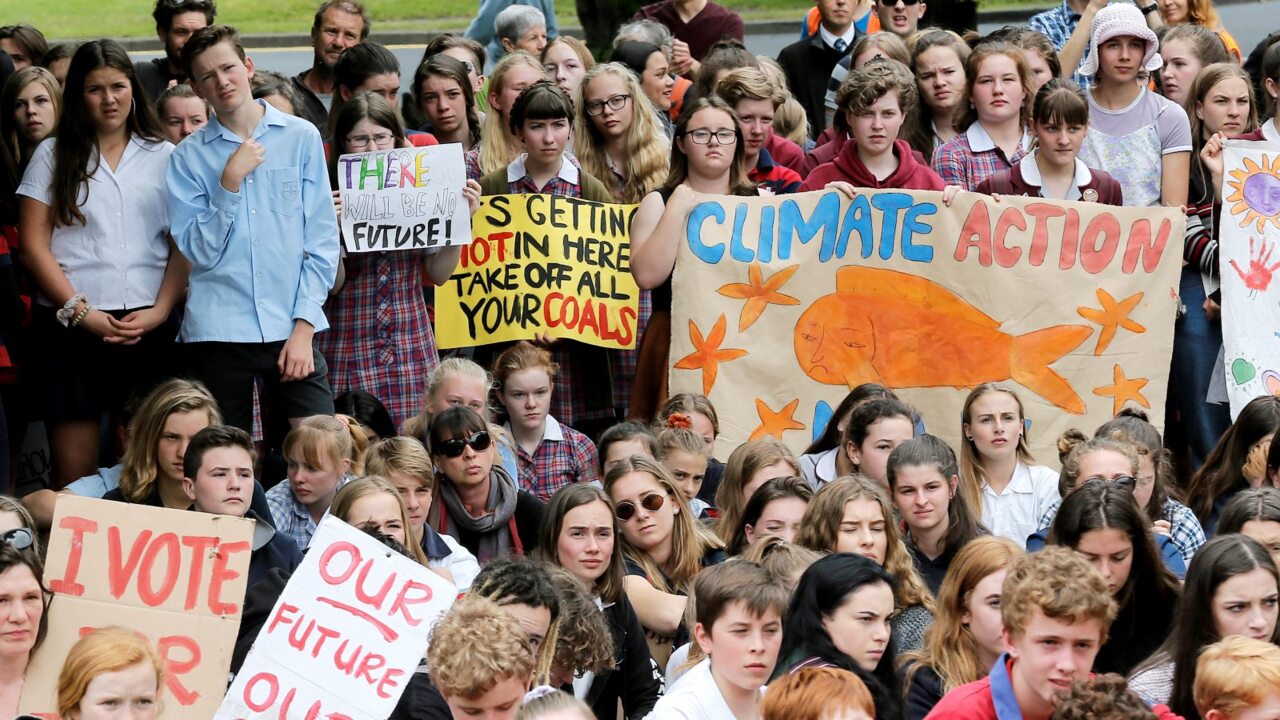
904	331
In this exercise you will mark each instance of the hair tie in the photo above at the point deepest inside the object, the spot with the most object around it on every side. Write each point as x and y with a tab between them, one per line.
679	420
540	692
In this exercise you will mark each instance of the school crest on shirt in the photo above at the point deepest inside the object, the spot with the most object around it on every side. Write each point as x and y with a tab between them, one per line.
289	190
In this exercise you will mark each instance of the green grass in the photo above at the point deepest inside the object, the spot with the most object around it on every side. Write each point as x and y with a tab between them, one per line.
132	18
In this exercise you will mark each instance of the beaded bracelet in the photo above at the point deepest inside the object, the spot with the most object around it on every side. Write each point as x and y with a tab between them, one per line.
68	309
80	317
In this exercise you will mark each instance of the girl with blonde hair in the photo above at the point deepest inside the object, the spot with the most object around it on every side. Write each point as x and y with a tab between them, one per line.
616	139
853	514
499	145
664	548
997	476
152	464
965	638
321	454
407	466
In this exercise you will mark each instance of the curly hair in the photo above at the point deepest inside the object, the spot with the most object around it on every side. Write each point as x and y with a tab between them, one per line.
1106	696
523	581
475	646
585	643
1059	583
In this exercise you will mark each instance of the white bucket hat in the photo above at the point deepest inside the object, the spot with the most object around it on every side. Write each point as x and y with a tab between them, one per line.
1120	20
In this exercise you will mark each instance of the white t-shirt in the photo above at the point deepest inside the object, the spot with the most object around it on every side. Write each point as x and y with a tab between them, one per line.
695	696
1015	513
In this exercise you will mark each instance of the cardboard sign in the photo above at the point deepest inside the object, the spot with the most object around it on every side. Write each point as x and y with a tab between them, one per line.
404	199
784	304
543	264
1247	235
346	634
176	577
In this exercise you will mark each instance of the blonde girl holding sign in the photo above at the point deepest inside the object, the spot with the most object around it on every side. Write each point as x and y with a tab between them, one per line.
380	337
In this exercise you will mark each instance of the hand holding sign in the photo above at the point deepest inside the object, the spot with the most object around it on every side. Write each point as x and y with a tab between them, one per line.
404	199
345	635
543	267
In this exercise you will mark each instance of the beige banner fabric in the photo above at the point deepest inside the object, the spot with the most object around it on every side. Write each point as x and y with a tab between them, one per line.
784	304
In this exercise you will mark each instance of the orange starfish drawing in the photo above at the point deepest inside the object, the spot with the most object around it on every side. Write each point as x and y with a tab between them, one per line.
707	354
773	424
1112	316
1122	390
759	293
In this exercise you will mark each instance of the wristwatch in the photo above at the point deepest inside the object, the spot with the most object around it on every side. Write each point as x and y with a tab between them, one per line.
1149	9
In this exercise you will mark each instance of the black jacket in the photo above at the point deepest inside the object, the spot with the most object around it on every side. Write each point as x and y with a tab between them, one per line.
636	679
421	700
807	65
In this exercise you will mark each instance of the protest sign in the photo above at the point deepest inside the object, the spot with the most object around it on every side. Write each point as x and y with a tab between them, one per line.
404	199
345	635
1247	234
542	264
784	304
176	577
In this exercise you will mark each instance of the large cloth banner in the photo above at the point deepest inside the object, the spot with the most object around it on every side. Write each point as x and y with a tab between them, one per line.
176	577
404	199
345	635
784	304
1248	231
542	264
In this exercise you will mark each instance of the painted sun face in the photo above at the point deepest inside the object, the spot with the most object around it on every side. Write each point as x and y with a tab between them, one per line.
1255	192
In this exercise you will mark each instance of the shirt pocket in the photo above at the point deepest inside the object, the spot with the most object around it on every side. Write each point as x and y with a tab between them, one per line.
285	191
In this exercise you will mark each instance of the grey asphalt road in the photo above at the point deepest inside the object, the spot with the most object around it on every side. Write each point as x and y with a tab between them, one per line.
1249	22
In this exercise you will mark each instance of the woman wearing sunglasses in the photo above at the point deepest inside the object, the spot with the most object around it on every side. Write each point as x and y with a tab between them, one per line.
479	504
663	546
1101	459
24	623
1102	521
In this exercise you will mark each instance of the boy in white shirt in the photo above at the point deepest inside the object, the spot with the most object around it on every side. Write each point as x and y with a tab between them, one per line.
739	609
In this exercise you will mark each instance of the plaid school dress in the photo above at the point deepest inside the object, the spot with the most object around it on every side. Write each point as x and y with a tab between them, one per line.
380	337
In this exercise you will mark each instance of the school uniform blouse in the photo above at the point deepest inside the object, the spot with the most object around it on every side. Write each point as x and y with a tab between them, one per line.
1015	513
972	156
118	256
1024	179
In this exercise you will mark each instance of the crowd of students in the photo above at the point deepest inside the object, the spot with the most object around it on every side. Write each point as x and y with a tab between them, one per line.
175	308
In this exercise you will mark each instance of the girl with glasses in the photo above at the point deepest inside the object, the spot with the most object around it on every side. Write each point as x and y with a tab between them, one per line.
1103	522
1102	459
380	337
1155	484
706	158
664	547
854	515
551	455
580	533
479	504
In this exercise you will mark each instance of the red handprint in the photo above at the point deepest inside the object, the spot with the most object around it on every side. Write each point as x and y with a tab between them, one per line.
1260	274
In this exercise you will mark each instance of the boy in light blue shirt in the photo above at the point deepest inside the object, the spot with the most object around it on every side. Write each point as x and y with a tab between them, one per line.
251	207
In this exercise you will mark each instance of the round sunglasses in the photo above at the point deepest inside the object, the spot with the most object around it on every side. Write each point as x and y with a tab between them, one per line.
627	509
